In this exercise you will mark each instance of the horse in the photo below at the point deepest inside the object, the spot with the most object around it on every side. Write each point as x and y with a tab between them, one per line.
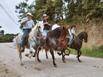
77	44
56	41
33	41
43	41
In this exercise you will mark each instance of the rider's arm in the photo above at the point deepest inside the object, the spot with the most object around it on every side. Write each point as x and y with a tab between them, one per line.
23	22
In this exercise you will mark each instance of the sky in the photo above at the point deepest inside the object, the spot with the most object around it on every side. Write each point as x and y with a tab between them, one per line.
9	22
8	17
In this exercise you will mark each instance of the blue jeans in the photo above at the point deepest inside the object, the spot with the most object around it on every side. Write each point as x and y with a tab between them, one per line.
25	36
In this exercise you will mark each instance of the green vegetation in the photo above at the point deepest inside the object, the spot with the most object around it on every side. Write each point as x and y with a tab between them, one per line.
7	38
76	11
94	52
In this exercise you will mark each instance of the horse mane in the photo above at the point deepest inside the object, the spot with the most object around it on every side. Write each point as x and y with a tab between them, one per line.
55	33
81	34
34	31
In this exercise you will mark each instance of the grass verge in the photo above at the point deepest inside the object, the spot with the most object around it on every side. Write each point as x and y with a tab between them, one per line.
93	52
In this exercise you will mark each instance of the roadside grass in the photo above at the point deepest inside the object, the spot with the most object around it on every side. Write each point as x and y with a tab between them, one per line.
93	52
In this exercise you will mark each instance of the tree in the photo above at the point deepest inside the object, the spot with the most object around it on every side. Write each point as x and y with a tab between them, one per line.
23	7
73	10
51	7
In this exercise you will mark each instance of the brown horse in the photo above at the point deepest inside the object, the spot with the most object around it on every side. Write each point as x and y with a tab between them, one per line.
56	40
77	44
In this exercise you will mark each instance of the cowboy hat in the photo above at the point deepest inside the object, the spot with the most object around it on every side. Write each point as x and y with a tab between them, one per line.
29	14
45	15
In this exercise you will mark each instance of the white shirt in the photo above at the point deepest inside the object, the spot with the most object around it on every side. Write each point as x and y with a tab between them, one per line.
71	31
29	24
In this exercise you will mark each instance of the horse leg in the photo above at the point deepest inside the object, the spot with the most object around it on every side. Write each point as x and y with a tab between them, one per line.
38	50
63	56
78	55
20	56
52	53
46	54
59	53
35	51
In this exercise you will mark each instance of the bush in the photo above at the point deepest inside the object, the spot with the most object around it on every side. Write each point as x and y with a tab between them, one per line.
7	38
99	48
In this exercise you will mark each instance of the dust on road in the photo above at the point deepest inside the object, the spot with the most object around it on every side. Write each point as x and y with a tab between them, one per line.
10	66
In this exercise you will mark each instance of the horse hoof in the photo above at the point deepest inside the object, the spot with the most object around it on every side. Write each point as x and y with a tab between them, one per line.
39	61
80	61
55	65
21	64
33	55
59	53
64	61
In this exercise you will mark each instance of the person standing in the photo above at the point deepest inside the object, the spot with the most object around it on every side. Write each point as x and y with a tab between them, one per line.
26	26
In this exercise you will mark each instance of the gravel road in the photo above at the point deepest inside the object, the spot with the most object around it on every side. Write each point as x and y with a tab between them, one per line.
10	65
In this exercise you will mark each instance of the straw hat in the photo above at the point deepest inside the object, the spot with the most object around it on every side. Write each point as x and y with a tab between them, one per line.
29	14
45	15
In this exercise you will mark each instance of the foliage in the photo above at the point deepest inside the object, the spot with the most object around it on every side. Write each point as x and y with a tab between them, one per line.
7	38
63	10
23	7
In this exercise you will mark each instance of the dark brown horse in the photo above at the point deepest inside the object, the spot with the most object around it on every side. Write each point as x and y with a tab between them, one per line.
77	44
56	40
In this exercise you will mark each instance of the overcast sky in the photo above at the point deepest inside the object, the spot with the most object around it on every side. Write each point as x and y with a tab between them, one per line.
9	22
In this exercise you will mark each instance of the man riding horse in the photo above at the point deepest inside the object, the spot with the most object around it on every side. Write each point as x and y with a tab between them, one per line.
72	33
26	26
44	25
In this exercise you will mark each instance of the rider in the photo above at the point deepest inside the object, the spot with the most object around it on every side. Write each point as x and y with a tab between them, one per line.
26	26
71	31
45	26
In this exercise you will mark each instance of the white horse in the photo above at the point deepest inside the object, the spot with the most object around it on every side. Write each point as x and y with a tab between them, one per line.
32	41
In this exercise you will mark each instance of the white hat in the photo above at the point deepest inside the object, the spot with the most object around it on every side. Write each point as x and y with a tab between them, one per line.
44	15
29	14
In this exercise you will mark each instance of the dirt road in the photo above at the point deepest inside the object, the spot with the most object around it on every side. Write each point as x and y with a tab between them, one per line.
10	66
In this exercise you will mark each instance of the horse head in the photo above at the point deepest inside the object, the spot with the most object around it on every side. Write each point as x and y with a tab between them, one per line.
83	35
